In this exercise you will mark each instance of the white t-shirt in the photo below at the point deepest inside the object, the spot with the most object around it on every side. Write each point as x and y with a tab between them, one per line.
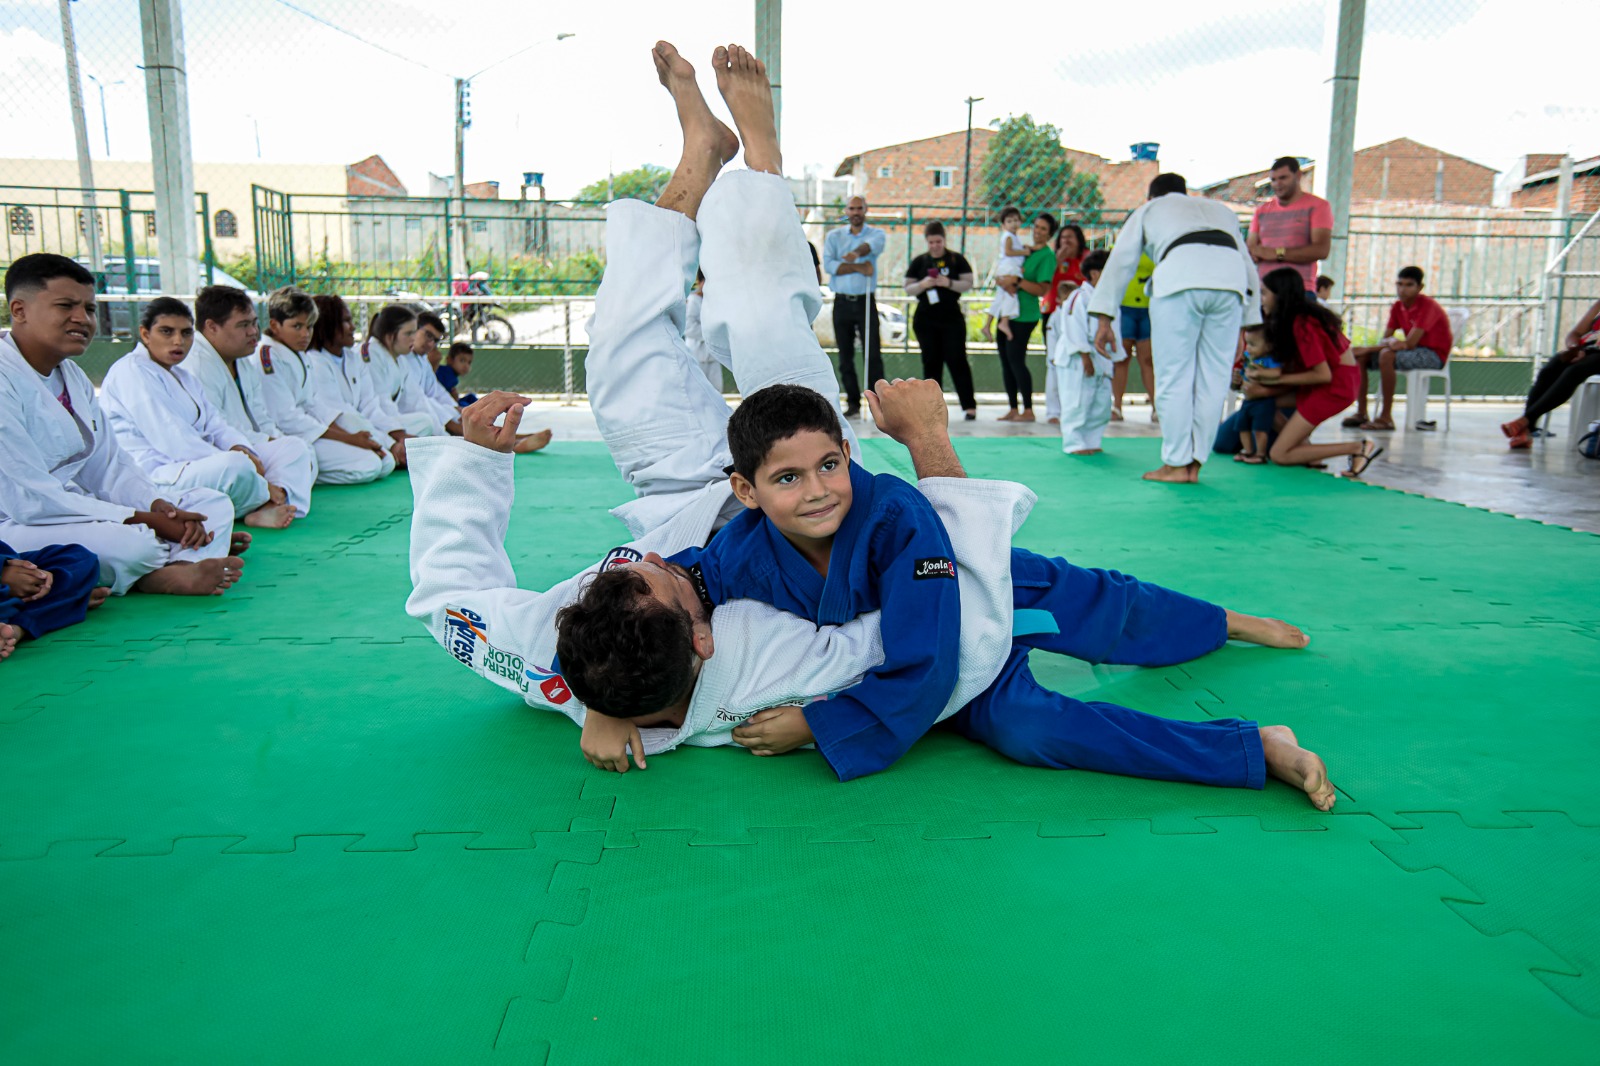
1011	264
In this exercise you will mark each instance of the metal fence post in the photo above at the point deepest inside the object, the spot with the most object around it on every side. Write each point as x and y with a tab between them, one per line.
125	200
566	353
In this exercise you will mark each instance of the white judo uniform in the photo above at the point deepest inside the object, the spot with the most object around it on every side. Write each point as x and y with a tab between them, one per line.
372	396
418	415
666	427
695	337
1085	399
1200	297
302	409
291	463
65	480
423	382
165	423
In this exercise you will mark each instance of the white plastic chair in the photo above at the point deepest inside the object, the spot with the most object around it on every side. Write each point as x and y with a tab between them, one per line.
1584	407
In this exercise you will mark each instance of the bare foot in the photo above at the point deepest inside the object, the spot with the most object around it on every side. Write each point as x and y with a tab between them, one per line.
9	635
208	577
239	543
1005	329
1194	472
270	516
742	80
1294	765
1174	475
1025	416
1268	632
98	596
532	442
988	337
707	143
1087	451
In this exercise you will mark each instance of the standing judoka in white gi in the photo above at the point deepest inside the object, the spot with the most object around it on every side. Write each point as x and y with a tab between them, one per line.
347	451
226	336
63	477
165	423
1083	375
1204	291
666	427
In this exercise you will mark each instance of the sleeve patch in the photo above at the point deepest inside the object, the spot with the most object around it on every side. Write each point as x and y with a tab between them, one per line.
934	567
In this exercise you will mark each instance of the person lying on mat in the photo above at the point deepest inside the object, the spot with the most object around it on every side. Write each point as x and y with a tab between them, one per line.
666	428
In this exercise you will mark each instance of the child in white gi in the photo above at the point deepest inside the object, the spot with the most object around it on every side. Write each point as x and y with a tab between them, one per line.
1013	252
1082	374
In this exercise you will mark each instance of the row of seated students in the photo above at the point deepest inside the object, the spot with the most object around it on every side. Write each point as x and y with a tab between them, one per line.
206	424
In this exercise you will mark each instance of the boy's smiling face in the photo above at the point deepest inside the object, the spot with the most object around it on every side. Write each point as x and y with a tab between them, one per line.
803	486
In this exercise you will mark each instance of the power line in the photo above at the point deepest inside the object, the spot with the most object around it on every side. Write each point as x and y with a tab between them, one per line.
410	60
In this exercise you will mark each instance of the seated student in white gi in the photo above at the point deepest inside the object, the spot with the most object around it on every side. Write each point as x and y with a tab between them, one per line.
664	425
389	331
417	356
227	333
347	452
63	477
1083	375
165	423
348	382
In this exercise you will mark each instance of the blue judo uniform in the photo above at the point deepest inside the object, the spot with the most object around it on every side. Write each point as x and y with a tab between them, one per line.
890	554
77	572
1102	616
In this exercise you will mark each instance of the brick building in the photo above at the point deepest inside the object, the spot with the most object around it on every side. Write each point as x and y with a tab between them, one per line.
1397	171
929	172
1542	173
372	177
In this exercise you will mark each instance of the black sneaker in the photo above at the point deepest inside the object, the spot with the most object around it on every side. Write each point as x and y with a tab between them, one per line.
852	412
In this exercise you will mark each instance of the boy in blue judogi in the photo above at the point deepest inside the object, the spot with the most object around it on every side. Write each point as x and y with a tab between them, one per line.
44	590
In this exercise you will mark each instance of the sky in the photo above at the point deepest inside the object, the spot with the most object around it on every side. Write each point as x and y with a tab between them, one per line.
1223	93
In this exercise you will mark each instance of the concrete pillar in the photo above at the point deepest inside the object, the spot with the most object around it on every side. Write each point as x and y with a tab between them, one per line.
171	159
769	49
1347	25
80	133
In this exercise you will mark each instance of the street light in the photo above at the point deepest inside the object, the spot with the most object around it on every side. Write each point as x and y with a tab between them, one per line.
105	126
966	170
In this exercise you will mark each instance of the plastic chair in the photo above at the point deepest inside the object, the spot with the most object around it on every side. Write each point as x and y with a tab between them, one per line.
1584	407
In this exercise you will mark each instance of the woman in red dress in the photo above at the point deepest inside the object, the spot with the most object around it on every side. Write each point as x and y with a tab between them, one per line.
1309	343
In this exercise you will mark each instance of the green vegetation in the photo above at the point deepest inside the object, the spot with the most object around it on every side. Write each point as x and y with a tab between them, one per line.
641	183
1027	167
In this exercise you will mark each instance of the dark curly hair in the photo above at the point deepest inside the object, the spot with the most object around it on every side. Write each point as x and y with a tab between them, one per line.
776	413
1290	303
624	652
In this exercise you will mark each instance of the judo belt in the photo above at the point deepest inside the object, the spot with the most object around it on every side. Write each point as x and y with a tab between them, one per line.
1215	237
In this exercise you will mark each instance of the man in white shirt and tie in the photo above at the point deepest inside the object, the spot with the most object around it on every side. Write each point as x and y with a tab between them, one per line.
1204	290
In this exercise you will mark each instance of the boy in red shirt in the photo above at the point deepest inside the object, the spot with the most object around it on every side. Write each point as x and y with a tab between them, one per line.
1418	338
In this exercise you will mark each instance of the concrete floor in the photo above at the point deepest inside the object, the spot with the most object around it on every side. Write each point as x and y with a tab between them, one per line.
1468	463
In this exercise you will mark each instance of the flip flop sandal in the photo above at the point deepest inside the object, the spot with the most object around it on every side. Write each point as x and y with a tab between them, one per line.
1363	458
1254	460
1377	427
1354	422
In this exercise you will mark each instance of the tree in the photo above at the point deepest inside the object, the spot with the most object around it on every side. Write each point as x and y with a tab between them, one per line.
640	183
1026	166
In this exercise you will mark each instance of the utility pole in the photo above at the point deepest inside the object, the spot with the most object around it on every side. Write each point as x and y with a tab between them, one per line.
1346	33
105	124
80	131
463	121
966	171
769	49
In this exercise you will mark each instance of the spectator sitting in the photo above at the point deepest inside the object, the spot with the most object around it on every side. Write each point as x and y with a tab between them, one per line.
454	367
1578	361
1257	414
1419	339
45	590
1325	291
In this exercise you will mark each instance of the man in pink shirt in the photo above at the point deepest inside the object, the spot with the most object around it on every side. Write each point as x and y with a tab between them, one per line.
1293	229
1417	337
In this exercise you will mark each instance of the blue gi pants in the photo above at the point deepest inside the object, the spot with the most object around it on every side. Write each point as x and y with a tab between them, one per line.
76	570
1107	617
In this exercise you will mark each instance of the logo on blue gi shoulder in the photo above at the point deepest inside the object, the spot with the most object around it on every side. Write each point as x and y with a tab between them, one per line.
935	567
620	557
464	629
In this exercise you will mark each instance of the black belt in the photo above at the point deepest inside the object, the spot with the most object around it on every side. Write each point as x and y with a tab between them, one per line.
851	295
1215	237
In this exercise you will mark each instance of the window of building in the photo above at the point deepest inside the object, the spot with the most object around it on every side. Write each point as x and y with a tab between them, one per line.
21	221
150	224
943	177
226	224
414	224
886	172
480	226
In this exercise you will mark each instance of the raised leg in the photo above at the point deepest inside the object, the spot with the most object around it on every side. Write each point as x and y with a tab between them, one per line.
707	143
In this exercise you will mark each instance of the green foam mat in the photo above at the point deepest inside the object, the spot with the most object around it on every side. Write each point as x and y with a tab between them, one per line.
282	825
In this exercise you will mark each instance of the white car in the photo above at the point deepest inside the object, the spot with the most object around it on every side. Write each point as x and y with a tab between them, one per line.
891	323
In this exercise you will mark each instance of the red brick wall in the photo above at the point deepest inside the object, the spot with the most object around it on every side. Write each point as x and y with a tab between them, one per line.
1414	175
372	177
1585	194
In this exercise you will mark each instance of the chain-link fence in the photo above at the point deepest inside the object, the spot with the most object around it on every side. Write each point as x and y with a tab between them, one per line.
324	138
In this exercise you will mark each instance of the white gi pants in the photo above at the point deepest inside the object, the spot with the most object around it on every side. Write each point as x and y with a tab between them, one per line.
1194	335
292	466
1052	389
663	420
127	553
231	473
418	424
1085	405
339	463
